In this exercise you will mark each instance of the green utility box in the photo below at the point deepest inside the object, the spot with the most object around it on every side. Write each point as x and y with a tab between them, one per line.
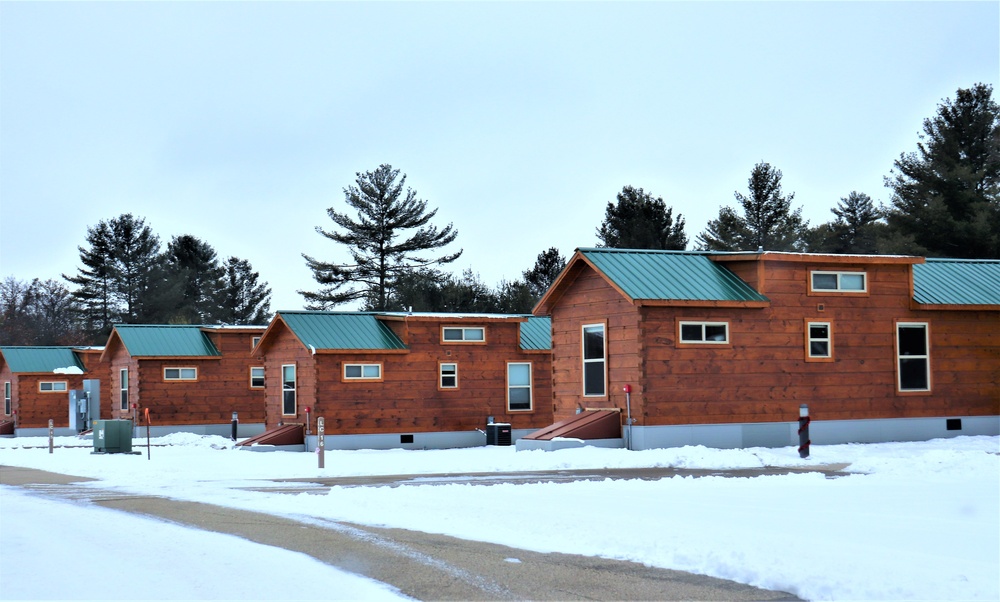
112	436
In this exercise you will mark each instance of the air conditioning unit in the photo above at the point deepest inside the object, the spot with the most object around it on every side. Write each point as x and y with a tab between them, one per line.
498	433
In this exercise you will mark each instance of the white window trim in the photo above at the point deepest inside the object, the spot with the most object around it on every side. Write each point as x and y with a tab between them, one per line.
926	357
254	340
464	330
828	340
362	365
442	375
180	373
7	404
530	387
123	384
263	377
603	359
294	389
52	386
839	275
703	324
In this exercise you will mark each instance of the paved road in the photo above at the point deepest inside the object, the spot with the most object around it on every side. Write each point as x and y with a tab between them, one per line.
421	565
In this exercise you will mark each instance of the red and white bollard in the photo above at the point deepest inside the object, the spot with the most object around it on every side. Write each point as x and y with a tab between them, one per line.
804	421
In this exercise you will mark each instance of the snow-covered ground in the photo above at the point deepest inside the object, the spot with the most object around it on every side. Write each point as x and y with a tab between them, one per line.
916	521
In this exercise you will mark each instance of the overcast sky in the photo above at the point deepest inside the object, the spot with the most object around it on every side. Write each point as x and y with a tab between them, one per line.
241	123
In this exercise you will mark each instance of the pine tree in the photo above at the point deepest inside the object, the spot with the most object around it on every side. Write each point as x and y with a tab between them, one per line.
640	221
946	194
856	230
768	221
121	277
245	300
547	267
193	264
94	295
379	253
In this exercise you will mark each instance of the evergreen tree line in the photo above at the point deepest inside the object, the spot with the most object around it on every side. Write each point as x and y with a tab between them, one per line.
127	278
945	202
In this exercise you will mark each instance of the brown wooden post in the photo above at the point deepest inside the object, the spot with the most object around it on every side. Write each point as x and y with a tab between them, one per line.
319	441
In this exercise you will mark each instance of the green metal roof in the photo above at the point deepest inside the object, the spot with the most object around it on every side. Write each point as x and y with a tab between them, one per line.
335	330
957	282
148	340
536	334
42	359
670	275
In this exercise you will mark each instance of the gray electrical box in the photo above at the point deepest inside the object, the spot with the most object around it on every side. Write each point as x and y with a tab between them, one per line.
112	436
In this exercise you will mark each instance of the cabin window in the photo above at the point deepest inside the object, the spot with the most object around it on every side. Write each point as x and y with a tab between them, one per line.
819	341
519	386
709	333
56	386
594	364
467	334
839	282
6	398
254	341
123	389
288	389
257	377
448	376
362	371
180	374
913	356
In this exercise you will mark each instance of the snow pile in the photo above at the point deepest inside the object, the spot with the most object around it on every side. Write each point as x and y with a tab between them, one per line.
912	521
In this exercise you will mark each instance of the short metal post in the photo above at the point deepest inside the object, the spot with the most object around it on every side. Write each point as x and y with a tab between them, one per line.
804	421
308	421
320	444
236	422
51	434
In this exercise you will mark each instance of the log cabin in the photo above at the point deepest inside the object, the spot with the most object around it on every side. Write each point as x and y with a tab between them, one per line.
728	349
406	380
190	378
37	383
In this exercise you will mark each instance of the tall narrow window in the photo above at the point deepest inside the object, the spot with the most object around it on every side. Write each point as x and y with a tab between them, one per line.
449	376
594	365
123	390
6	398
819	341
913	356
288	390
519	386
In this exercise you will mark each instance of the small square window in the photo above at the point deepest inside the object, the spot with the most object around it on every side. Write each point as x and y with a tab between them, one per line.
819	341
257	377
449	376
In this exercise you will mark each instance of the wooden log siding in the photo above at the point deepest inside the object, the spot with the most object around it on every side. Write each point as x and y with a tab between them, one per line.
763	375
590	300
408	399
221	388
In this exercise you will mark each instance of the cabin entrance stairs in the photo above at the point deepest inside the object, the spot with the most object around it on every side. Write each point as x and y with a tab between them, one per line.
597	427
